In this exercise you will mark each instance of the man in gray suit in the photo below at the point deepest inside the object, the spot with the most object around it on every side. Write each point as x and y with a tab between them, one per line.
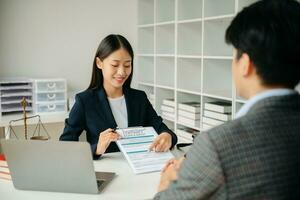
257	155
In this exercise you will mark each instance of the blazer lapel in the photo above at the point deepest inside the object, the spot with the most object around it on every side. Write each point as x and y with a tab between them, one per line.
104	109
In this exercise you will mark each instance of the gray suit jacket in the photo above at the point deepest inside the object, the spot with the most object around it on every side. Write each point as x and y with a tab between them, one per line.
254	157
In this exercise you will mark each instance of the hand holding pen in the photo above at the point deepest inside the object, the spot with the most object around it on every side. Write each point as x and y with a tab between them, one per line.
105	138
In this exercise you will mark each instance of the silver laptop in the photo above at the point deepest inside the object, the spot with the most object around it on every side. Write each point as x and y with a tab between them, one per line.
53	166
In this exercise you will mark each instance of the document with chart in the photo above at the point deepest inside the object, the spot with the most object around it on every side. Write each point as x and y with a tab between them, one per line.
135	143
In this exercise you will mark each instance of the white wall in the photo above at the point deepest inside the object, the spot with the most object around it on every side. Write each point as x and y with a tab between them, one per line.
58	38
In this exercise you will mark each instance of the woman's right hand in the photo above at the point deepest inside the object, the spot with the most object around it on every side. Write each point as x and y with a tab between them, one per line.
105	138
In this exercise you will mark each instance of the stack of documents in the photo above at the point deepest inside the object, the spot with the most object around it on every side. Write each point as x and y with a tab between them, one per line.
186	135
189	113
168	109
4	171
216	113
135	143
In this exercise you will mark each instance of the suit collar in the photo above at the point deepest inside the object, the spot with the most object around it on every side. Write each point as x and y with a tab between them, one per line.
104	109
269	98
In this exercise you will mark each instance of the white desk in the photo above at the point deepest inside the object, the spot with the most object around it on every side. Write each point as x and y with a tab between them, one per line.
126	185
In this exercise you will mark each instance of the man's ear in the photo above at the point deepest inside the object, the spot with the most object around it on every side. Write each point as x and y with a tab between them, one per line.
246	64
99	63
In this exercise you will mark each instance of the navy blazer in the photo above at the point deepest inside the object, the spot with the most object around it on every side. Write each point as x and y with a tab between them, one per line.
92	113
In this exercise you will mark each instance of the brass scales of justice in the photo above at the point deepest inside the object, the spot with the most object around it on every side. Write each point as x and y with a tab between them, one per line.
37	129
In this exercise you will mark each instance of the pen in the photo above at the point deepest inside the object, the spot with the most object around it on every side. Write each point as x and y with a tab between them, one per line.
114	129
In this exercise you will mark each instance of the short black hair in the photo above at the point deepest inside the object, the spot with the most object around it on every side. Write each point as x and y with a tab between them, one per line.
269	32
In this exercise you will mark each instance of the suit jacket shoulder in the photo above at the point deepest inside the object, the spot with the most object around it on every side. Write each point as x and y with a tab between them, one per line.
135	93
87	96
259	146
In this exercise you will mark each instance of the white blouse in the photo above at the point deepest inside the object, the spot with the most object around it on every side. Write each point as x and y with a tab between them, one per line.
119	110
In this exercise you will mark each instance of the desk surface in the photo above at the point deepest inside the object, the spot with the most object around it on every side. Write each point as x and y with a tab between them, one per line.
126	185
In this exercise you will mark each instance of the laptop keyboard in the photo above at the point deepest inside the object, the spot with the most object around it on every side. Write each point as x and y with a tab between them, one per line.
99	183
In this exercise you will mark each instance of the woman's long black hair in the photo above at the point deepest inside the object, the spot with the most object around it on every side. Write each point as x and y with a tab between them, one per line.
107	46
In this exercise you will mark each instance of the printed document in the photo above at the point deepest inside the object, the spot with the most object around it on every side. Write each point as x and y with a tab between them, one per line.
135	143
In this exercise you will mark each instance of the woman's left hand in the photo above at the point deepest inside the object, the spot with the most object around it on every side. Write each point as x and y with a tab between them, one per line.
162	143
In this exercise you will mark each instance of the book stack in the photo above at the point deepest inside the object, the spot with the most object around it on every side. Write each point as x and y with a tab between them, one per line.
168	109
4	171
185	135
151	98
189	113
216	113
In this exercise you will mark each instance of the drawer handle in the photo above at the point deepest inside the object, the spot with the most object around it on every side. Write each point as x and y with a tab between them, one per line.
51	85
51	96
52	107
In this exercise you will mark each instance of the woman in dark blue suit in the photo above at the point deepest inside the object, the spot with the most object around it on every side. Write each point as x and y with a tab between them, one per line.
110	102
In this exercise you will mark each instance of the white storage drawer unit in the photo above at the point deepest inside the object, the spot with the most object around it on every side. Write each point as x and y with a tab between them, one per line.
50	85
50	96
51	107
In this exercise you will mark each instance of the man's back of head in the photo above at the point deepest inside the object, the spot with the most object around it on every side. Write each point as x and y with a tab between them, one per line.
268	32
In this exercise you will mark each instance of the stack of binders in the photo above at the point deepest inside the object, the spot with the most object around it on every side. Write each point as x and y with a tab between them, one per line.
4	171
168	109
185	135
189	114
216	113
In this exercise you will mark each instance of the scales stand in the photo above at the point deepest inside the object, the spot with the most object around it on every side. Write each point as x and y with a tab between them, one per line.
37	129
